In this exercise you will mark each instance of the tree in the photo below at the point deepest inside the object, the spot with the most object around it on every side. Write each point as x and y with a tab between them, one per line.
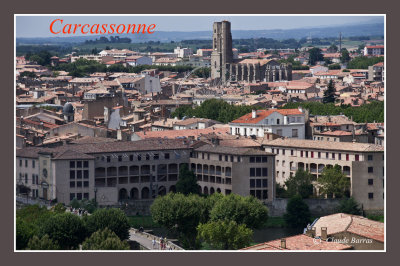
315	55
329	93
104	239
225	235
280	191
66	229
243	210
300	184
181	214
113	219
187	182
24	231
333	48
42	243
349	206
75	203
59	208
333	182
345	56
297	213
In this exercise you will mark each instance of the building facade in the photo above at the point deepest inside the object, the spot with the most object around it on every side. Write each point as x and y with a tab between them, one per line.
362	163
242	171
283	122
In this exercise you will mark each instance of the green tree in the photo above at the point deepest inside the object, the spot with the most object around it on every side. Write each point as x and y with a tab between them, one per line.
42	243
333	182
297	213
59	208
363	62
349	206
329	93
225	235
280	191
113	219
299	184
181	214
187	182
75	203
345	56
104	239
24	231
66	229
243	210
315	55
333	48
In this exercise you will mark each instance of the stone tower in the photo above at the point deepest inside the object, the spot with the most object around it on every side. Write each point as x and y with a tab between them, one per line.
222	55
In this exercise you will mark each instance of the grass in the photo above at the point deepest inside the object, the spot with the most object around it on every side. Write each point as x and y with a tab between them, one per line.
275	222
144	221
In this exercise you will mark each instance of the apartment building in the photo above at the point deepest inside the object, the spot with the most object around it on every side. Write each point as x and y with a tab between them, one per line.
107	171
243	171
363	163
283	122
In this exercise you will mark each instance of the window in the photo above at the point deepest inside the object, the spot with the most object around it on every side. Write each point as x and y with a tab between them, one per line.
327	155
86	196
71	196
370	195
340	156
312	154
252	159
79	184
20	163
86	183
347	157
278	121
264	159
283	151
72	174
277	151
370	169
301	153
319	154
147	157
226	158
72	184
258	171
231	158
258	159
108	159
130	157
370	157
252	183
119	158
26	178
258	182
85	164
357	157
33	163
85	174
291	152
79	164
79	174
139	157
265	183
252	171
370	182
239	159
79	196
166	156
156	156
220	157
295	133
26	163
333	155
71	164
264	171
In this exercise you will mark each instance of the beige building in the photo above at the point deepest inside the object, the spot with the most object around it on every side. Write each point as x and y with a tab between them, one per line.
243	171
108	171
363	163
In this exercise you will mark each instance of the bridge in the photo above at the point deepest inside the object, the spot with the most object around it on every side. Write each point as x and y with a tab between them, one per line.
145	240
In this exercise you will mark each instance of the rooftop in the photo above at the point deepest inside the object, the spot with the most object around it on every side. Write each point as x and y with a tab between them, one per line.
261	114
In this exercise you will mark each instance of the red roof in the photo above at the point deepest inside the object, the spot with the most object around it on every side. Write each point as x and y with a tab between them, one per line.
261	114
376	46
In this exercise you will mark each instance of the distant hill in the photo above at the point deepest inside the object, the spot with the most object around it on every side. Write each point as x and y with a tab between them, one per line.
376	29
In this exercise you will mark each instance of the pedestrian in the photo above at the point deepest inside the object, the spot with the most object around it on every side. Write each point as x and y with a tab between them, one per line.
154	243
161	243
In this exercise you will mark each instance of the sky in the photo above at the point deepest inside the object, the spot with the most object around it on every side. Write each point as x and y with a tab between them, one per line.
38	26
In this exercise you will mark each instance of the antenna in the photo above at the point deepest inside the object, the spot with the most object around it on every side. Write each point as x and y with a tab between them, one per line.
340	41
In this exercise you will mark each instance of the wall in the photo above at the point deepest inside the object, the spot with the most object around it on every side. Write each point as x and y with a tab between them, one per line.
318	207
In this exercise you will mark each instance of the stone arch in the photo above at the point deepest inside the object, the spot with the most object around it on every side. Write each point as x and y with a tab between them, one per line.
212	190
162	191
172	189
134	193
145	193
205	190
123	194
218	190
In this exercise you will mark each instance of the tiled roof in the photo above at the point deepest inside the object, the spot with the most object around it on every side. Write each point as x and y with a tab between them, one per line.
358	225
325	145
261	114
231	150
299	242
186	133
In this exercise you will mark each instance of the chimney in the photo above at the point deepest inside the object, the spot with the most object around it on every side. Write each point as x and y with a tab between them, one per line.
310	231
253	114
324	233
283	243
